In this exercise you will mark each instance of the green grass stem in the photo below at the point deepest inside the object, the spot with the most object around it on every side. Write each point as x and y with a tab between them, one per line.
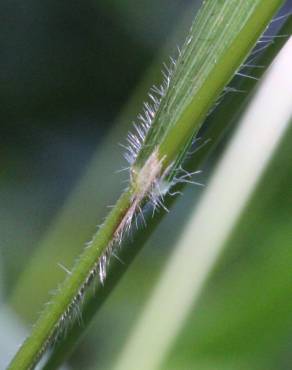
221	37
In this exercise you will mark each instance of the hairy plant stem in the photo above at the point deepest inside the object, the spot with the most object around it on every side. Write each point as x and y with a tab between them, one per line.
57	310
219	40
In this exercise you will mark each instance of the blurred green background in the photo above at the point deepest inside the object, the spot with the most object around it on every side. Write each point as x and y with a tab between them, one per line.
67	71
